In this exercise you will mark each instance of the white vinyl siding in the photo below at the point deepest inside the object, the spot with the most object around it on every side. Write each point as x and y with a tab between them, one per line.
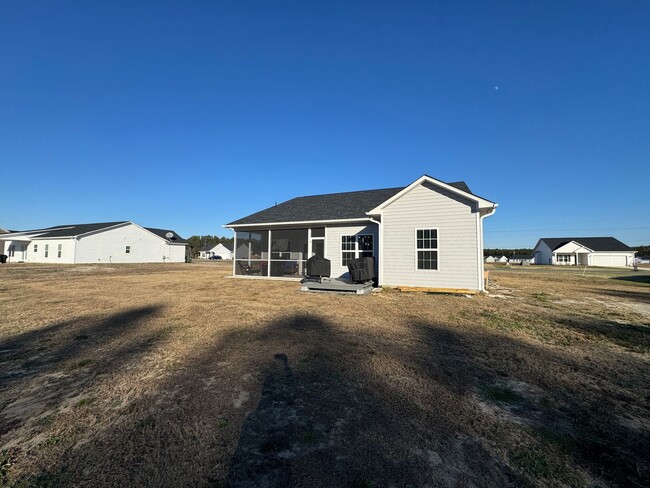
109	246
456	220
333	240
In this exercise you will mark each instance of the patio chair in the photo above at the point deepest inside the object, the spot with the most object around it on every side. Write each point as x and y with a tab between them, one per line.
247	270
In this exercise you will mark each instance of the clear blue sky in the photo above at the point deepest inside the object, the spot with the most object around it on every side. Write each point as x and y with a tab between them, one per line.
188	115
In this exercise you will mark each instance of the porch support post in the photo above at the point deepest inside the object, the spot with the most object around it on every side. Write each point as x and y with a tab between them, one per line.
234	249
268	257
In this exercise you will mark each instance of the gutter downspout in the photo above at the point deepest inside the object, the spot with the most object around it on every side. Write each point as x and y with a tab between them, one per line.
380	270
481	260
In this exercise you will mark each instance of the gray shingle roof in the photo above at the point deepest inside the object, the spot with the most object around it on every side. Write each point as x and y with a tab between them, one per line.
73	230
176	239
593	243
332	206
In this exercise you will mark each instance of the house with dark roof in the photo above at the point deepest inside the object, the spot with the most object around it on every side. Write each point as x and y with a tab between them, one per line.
220	251
106	242
583	251
428	234
522	259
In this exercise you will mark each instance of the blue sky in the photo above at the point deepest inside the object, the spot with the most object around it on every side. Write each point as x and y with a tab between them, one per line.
191	114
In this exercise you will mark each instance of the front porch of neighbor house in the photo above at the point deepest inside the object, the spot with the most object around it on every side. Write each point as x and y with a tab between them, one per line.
282	252
572	254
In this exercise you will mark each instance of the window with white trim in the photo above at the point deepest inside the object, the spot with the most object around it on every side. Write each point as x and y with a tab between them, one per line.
58	252
426	247
35	248
128	249
47	250
353	247
11	251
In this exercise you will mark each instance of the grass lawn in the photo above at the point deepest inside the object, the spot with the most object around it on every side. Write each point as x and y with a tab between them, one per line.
175	375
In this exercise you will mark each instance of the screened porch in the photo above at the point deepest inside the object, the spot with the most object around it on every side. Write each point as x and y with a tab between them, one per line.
280	253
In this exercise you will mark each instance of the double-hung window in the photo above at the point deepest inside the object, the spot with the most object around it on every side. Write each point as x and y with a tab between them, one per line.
47	250
353	247
128	249
59	250
35	248
426	248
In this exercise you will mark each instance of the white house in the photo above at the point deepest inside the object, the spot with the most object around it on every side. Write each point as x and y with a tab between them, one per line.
224	251
109	242
427	235
583	251
502	259
522	259
490	259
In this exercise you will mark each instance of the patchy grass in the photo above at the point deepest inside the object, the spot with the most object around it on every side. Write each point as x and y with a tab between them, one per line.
501	394
195	379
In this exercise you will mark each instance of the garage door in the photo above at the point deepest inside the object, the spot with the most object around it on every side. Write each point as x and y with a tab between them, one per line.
609	260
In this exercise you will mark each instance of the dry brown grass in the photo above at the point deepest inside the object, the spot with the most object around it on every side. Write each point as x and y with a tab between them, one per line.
174	375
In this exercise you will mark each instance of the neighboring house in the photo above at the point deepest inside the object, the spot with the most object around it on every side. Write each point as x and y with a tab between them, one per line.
502	259
642	260
427	235
522	259
2	243
583	251
490	259
222	250
109	242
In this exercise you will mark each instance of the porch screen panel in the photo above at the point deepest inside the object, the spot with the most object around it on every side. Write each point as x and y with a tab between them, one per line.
251	255
288	251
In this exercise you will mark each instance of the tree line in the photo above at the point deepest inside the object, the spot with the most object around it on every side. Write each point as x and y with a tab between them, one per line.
196	243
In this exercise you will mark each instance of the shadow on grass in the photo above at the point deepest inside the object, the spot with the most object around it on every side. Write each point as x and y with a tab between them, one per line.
632	337
640	278
633	295
301	401
49	367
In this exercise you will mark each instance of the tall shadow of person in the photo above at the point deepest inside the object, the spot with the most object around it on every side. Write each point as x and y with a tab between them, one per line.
266	443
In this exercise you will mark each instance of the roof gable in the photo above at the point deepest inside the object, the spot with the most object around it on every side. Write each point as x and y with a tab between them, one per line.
460	188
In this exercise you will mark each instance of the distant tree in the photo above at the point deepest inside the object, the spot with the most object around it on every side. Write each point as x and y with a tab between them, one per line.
642	250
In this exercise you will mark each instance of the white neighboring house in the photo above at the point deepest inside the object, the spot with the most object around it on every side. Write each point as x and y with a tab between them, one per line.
2	244
222	250
583	251
502	259
428	234
490	259
108	242
642	260
522	259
